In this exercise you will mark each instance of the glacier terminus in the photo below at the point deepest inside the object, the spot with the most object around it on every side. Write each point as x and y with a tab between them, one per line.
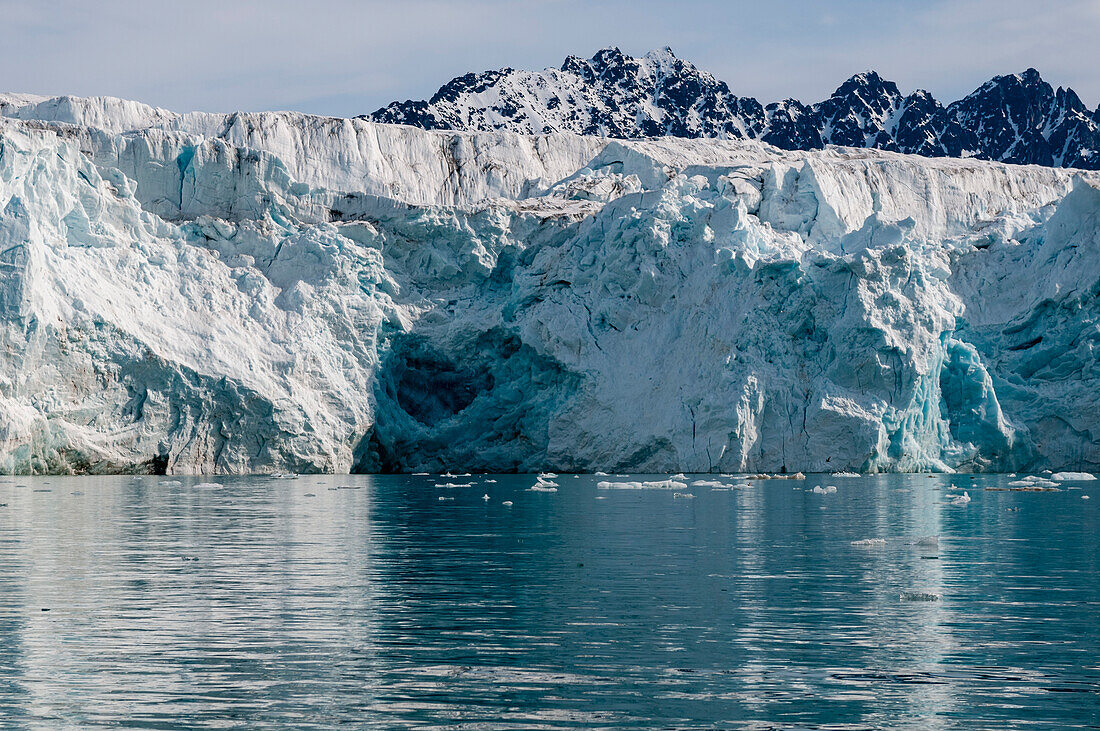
261	292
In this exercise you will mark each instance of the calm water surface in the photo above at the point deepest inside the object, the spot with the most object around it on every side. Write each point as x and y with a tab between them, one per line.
362	601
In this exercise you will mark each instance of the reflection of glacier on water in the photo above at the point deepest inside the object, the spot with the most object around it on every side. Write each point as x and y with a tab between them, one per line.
390	602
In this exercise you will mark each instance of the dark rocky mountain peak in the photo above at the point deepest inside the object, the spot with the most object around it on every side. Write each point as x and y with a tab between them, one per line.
1017	118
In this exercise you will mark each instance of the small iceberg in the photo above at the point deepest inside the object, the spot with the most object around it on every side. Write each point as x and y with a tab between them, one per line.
1072	476
765	476
507	503
543	484
485	497
207	486
684	495
845	474
1033	483
870	542
961	499
652	485
827	490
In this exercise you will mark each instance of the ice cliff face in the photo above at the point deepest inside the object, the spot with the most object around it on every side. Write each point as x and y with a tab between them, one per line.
1017	118
260	292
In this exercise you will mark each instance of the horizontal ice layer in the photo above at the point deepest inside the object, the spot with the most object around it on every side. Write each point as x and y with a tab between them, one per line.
335	153
233	293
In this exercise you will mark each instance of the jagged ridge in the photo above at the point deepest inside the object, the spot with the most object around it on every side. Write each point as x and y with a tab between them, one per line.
1016	118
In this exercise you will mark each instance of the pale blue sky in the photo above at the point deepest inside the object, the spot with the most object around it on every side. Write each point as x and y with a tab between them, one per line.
345	57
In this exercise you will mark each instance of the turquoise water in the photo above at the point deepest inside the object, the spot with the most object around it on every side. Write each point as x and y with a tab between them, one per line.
293	603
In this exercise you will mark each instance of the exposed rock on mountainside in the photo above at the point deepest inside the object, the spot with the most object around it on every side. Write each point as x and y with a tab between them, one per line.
1019	119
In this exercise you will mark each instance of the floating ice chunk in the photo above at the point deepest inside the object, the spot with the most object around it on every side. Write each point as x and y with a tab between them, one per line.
507	503
827	490
870	542
485	497
444	497
600	474
547	476
1033	483
652	485
928	541
921	596
1072	476
685	495
420	474
709	483
454	484
541	487
678	476
207	486
1084	497
961	499
765	476
845	474
165	482
490	481
1031	480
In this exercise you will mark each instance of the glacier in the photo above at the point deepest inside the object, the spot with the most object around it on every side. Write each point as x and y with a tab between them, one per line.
280	292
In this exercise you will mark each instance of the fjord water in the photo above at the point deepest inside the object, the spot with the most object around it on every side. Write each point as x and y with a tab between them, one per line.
367	601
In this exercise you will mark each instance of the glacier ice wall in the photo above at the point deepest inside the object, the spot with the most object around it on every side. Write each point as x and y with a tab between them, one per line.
261	292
